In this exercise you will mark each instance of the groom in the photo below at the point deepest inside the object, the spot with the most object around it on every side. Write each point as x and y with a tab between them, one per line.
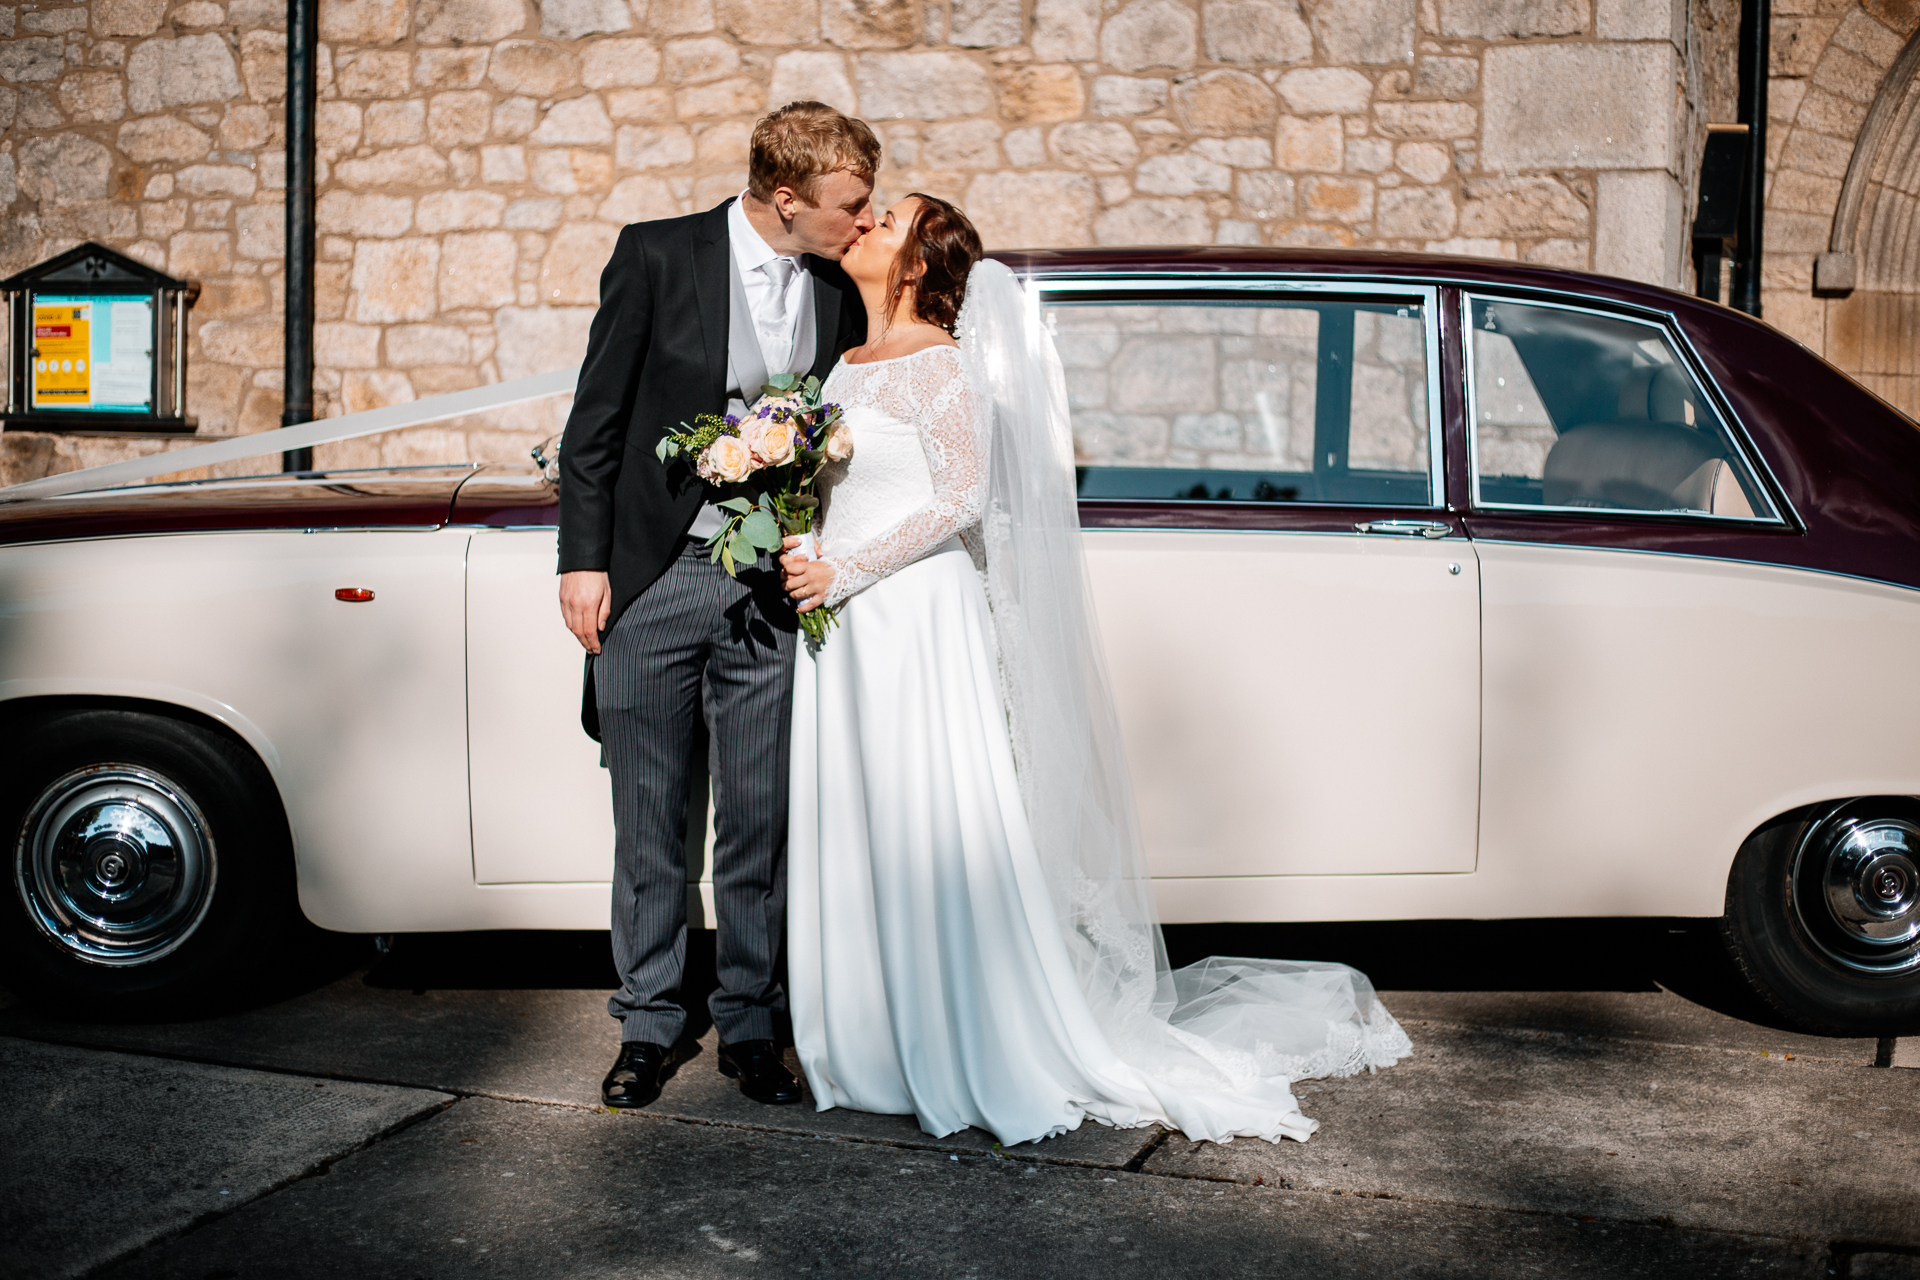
695	314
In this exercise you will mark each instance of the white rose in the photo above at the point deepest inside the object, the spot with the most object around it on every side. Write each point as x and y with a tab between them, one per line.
839	443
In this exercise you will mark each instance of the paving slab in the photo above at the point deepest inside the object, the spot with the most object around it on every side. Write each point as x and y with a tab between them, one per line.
492	1188
108	1151
1704	1138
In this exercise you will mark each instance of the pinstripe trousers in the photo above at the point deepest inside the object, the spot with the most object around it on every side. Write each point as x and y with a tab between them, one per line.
699	644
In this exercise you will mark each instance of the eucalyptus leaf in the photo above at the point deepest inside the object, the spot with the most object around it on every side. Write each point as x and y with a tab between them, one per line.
726	560
735	504
760	530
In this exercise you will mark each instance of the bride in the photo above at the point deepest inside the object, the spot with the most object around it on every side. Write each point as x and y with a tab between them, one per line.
971	931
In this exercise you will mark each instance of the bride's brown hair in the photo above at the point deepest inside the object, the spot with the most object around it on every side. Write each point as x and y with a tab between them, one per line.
944	241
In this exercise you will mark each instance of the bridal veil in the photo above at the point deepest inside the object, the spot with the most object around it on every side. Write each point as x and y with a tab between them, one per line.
1214	1029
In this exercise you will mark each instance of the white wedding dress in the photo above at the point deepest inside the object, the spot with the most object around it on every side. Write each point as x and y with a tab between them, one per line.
934	967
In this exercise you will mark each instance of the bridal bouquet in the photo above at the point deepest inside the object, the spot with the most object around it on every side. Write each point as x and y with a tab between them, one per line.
785	439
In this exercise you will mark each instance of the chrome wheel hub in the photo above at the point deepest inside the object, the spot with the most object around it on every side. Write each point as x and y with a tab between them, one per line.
115	865
1856	888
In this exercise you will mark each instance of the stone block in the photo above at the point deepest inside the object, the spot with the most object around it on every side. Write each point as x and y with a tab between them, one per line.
1310	145
216	180
32	61
1369	32
337	345
1571	254
1326	89
450	68
534	213
652	147
1446	77
1049	210
1520	209
1128	96
791	22
871	24
1231	231
1803	192
211	215
1368	155
470	22
679	17
363	389
127	17
1336	199
1024	147
534	340
627	105
459	211
738	96
93	97
247	127
263	65
1430	119
1877	37
1415	213
1639	227
1598	106
476	270
1265	195
576	122
1223	103
1512	19
728	143
395	124
637	199
1423	161
572	19
1102	147
1256	32
58	21
922	86
354	213
262	15
161	138
1153	222
1031	95
459	117
160	219
1830	114
1639	20
570	271
631	62
1848	74
169	73
394	279
1796	46
504	164
1182	175
1150	33
533	68
984	24
378	73
255	344
9	105
700	59
64	168
419	166
364	21
712	189
412	345
963	144
1065	30
822	77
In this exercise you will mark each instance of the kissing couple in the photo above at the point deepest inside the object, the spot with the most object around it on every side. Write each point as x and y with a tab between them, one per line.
927	815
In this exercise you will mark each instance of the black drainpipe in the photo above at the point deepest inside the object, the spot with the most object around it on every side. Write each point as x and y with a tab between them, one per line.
303	40
1756	21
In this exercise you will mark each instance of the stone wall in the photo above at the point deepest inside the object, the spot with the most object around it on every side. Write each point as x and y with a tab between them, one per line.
479	156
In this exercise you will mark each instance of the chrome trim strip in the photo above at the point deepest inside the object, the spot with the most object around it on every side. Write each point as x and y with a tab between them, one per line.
1667	325
1427	293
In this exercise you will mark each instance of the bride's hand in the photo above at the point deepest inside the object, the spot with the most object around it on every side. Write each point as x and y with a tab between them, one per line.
807	581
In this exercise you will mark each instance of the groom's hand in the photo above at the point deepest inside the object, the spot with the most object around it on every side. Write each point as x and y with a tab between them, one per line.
585	602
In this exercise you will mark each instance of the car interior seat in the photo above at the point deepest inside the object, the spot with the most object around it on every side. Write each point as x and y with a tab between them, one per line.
1651	457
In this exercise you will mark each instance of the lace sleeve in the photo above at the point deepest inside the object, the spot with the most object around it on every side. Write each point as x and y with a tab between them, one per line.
954	436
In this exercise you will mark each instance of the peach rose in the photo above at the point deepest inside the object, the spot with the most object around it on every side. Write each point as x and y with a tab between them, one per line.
726	461
839	443
774	447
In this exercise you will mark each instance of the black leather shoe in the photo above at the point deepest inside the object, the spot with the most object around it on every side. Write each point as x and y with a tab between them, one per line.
763	1076
637	1074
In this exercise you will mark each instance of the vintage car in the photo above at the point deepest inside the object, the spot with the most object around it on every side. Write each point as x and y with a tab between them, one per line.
1431	588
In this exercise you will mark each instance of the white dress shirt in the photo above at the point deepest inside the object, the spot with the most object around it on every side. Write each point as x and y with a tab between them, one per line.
782	320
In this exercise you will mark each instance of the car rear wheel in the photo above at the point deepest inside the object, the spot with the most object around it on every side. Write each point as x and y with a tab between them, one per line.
148	863
1823	916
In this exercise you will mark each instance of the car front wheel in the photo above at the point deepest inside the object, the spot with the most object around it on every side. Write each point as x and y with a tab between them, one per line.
148	858
1823	916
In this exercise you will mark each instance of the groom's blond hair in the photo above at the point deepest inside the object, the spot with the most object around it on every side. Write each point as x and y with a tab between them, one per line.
802	143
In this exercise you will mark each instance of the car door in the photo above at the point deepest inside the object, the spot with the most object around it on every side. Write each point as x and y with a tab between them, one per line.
1289	610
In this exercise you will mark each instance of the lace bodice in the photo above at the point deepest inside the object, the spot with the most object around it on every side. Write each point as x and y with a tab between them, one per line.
918	474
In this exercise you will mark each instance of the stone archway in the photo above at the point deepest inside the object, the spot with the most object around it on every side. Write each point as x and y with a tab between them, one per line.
1873	331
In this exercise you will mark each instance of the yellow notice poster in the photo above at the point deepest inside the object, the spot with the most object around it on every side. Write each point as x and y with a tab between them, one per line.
62	346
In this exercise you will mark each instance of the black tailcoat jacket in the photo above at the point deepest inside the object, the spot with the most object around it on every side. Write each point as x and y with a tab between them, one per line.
656	357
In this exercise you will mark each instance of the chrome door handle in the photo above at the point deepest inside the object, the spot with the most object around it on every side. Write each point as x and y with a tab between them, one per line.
1405	528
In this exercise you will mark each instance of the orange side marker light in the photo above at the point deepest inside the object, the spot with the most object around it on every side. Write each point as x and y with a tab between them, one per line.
353	595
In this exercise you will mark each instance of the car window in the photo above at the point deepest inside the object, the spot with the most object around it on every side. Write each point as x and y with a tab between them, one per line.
1284	399
1575	409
